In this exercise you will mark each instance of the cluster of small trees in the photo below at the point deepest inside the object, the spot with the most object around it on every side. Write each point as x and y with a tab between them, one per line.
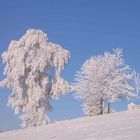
104	79
33	73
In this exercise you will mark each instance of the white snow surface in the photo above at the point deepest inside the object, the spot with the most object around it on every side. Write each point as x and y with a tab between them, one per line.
115	126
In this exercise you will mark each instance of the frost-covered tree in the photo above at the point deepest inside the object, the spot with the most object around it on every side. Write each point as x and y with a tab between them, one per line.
104	79
33	73
92	108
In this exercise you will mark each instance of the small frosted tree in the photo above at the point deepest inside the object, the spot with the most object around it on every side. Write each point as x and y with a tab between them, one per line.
104	79
33	73
92	108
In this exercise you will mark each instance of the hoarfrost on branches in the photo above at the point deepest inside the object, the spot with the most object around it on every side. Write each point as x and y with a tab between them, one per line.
33	72
104	79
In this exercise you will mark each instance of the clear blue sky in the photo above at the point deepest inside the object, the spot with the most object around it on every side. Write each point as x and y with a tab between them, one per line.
84	27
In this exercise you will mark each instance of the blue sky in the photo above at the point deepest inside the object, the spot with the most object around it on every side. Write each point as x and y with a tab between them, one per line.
84	27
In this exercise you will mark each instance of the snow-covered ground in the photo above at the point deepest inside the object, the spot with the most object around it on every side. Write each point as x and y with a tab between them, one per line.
116	126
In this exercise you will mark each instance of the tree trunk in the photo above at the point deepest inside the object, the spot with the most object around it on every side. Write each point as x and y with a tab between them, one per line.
101	107
108	111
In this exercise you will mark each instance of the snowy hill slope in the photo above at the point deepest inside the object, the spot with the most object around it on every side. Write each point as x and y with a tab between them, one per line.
117	126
